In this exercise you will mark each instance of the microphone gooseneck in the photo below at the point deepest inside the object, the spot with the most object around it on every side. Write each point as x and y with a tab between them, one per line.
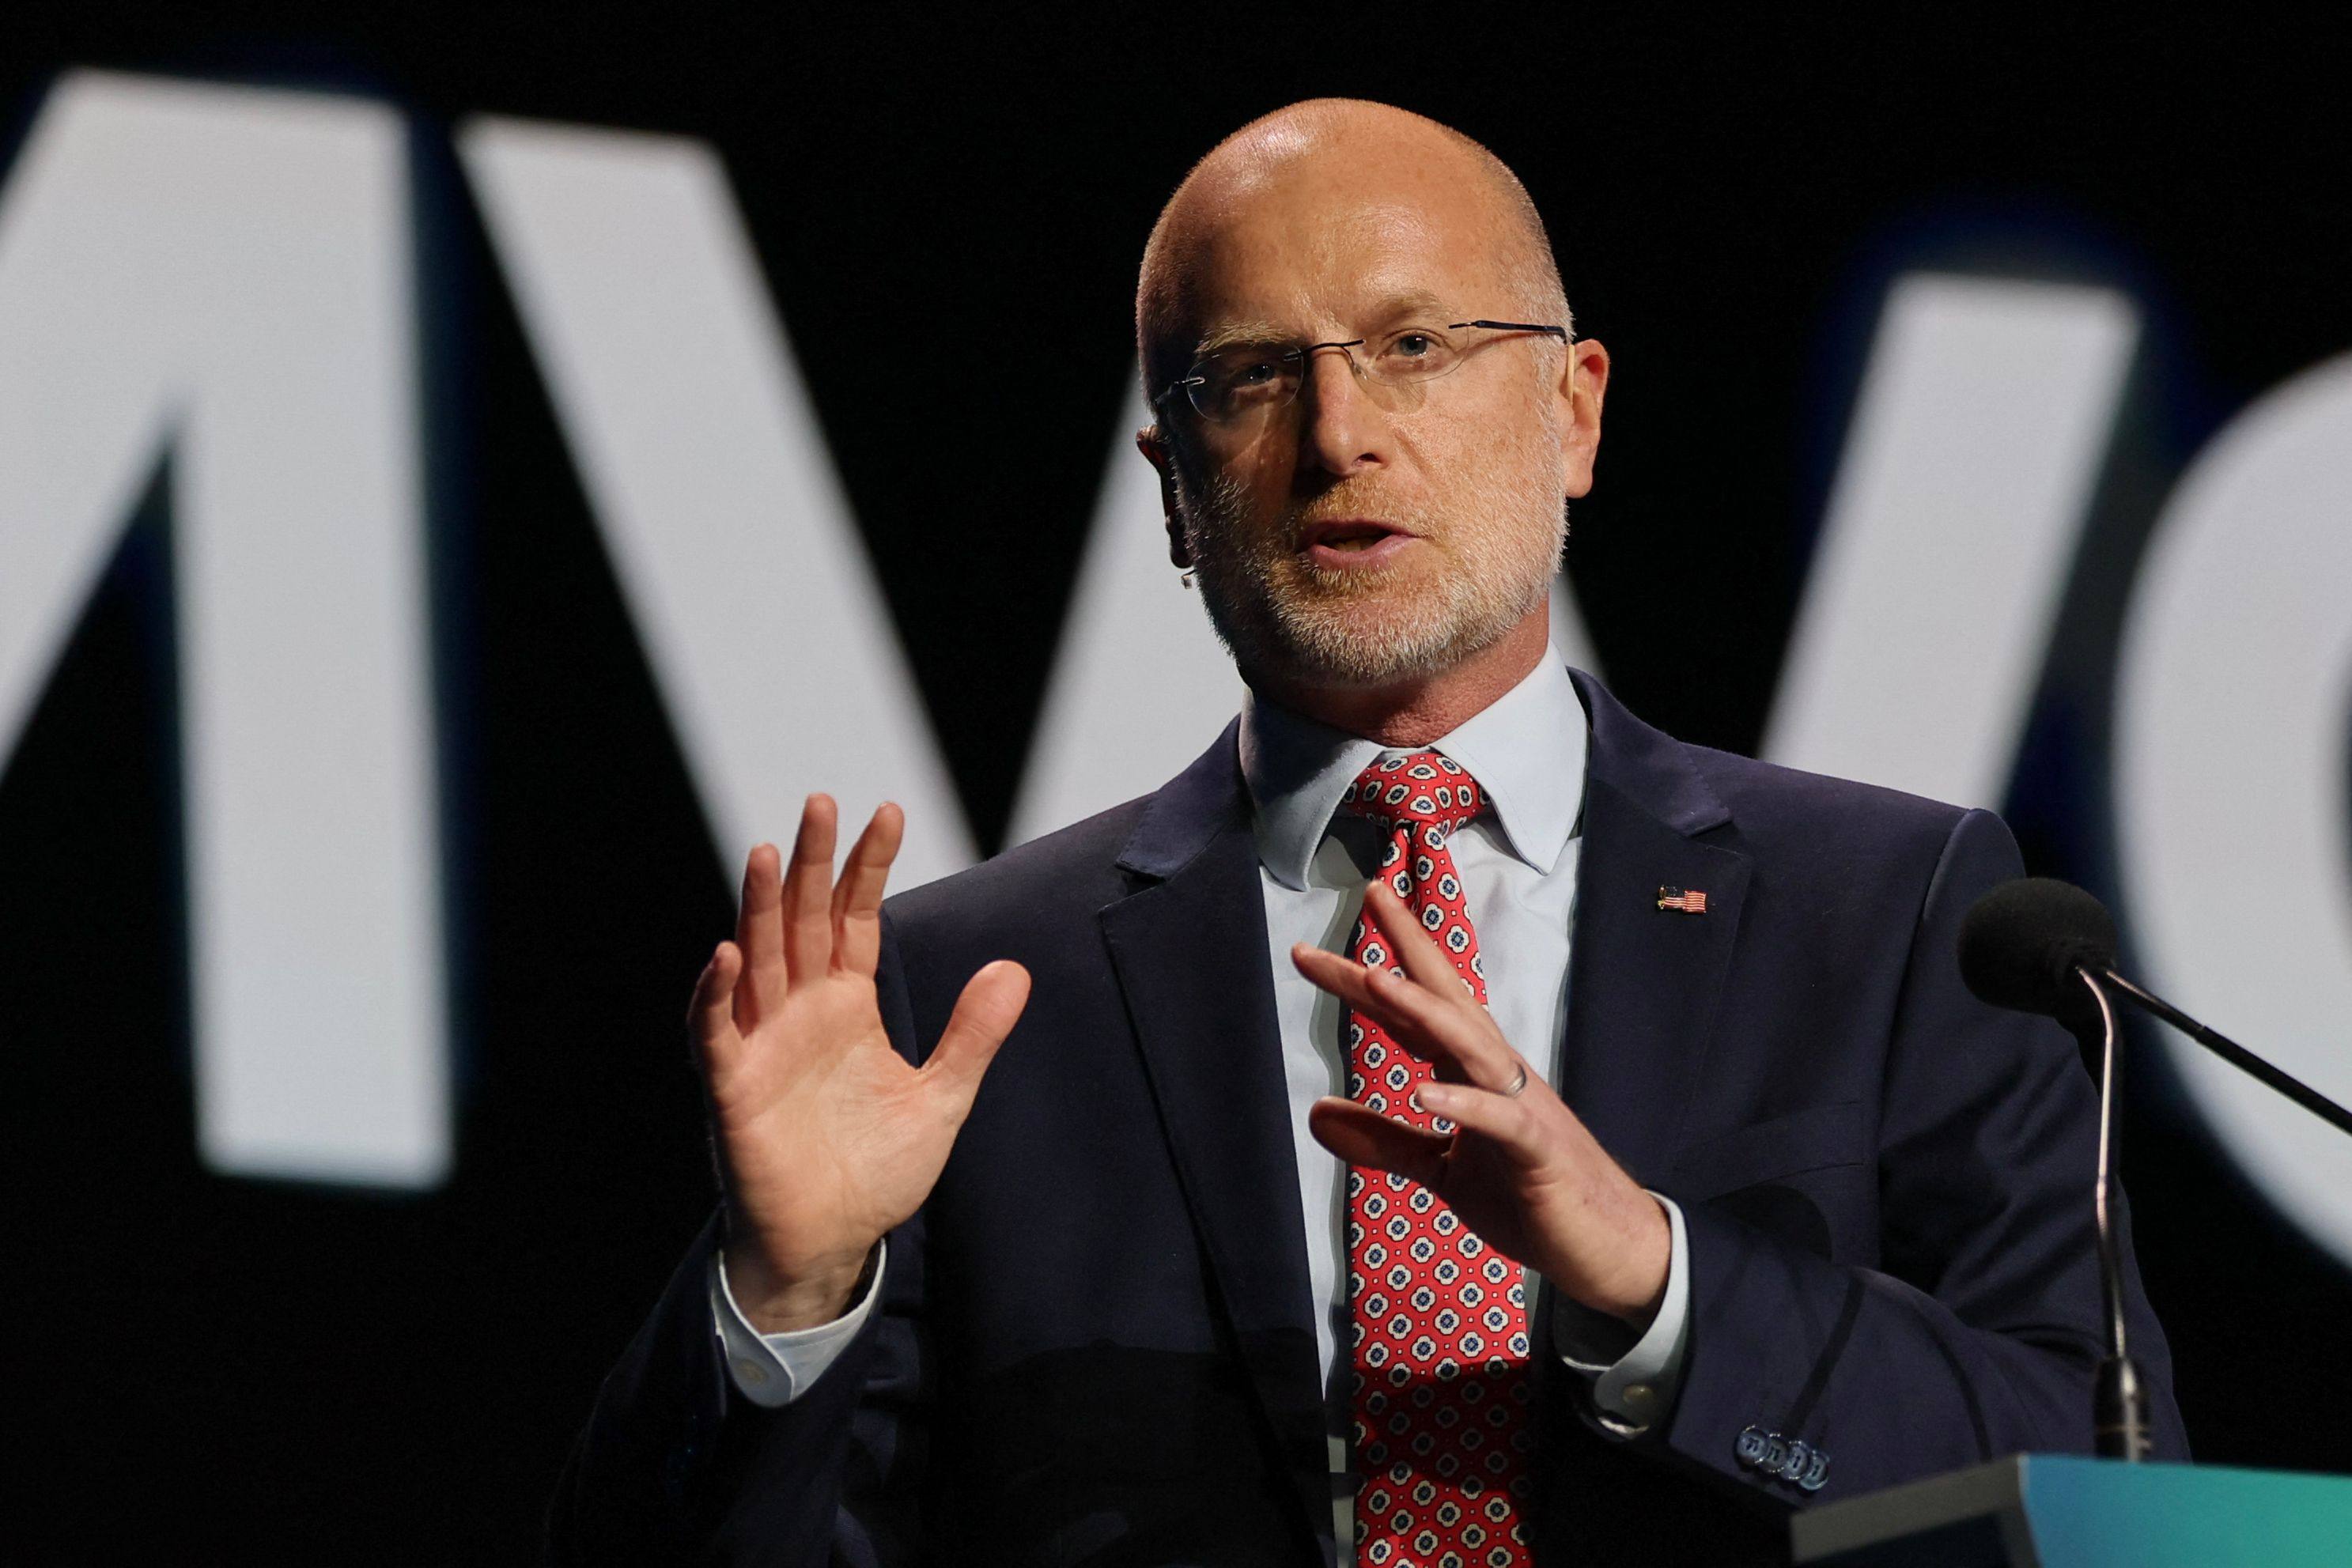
2119	1419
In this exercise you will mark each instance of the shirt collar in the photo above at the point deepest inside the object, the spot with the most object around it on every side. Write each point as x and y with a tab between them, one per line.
1527	749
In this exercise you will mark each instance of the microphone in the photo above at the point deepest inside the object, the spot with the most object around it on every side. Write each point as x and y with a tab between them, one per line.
2036	946
2025	945
2031	946
2039	946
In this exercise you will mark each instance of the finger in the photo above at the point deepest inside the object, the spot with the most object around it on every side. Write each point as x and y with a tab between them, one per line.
1464	1040
1508	1120
1362	1136
858	900
760	935
808	891
1350	981
991	1004
1402	1009
710	1015
1485	1057
1424	962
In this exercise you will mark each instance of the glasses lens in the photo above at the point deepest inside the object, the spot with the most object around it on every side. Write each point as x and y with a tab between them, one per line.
1416	354
1238	383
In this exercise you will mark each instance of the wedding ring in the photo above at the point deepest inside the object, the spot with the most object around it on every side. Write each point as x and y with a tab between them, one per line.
1518	1084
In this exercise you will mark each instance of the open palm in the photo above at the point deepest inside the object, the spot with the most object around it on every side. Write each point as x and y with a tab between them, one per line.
826	1136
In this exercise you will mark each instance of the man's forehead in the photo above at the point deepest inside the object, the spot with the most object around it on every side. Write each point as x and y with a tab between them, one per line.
1309	221
1302	265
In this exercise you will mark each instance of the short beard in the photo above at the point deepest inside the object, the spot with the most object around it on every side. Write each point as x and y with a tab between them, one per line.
1283	617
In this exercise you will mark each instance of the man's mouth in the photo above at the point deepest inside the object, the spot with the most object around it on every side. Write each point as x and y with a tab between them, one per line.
1352	541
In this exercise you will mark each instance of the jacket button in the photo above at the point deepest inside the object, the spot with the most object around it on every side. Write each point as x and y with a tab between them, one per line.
1751	1445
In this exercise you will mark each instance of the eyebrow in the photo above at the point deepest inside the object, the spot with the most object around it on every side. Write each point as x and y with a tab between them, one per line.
1235	335
1412	302
1240	334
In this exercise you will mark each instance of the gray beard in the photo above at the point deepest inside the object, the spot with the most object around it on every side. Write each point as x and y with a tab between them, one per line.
1328	628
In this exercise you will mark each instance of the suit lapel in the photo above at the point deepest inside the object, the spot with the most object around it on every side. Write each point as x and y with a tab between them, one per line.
1190	951
1644	982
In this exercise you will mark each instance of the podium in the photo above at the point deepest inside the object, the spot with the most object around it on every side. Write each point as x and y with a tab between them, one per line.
2061	1510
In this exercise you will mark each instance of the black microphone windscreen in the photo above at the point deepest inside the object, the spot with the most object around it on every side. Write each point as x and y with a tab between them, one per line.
2021	943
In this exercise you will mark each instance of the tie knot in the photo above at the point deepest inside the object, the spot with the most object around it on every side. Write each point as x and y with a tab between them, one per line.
1421	787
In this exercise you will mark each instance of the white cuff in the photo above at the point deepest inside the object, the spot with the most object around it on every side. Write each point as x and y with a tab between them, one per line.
773	1370
1635	1387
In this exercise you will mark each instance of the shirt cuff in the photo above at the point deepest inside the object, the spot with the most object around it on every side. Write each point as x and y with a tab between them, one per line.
774	1369
1632	1386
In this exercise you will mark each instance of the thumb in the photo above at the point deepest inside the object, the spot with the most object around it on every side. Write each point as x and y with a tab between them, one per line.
984	1014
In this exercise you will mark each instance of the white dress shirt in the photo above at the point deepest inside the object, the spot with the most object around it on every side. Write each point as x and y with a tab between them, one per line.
1517	862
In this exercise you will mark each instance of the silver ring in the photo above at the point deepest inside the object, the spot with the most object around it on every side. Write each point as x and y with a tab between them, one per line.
1513	1092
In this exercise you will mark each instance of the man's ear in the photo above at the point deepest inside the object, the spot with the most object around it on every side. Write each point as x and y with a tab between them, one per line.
1583	383
1154	448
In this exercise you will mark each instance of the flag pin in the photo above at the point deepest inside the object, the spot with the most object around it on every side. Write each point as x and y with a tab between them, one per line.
1692	903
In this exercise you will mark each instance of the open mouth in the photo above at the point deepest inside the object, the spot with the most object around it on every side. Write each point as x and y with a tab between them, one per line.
1352	541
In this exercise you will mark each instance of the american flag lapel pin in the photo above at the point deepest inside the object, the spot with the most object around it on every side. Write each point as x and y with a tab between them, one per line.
1674	898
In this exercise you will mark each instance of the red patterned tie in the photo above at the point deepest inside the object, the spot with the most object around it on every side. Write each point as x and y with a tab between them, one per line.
1440	1356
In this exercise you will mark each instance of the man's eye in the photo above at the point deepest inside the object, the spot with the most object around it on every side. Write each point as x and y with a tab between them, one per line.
1415	353
1247	379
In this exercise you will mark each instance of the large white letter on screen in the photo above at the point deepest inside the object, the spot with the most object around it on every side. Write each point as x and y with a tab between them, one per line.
1140	685
226	270
707	471
1982	423
2234	715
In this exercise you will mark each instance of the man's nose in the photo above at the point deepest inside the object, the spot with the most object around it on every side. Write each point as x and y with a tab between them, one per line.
1341	428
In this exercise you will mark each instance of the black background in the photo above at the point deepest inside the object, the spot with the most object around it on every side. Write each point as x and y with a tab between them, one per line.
950	212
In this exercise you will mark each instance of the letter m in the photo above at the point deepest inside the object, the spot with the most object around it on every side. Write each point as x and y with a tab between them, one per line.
224	273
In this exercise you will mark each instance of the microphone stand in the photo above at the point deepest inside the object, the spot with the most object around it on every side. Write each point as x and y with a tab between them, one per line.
2119	1417
2016	941
2119	1398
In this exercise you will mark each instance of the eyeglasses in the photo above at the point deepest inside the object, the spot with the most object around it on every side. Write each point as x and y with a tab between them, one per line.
1255	379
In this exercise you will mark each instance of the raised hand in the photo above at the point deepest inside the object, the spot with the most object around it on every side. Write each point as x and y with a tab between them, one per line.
826	1136
1522	1171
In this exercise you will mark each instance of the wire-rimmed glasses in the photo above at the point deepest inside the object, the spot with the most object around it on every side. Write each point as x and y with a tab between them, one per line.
1250	379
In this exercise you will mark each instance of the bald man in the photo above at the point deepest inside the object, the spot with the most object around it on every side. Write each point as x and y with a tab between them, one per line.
1450	1123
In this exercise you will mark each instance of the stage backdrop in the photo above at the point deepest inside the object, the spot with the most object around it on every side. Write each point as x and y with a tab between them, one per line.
464	477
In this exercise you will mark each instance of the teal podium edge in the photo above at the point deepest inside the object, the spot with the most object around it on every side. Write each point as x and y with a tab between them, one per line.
2062	1510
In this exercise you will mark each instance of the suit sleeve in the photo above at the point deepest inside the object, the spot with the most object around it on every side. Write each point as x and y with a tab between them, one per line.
676	1465
1978	1333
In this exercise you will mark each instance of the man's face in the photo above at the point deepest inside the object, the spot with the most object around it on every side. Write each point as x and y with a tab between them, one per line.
1364	535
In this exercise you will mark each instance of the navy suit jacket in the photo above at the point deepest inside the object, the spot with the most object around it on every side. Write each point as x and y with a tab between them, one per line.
1096	1344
